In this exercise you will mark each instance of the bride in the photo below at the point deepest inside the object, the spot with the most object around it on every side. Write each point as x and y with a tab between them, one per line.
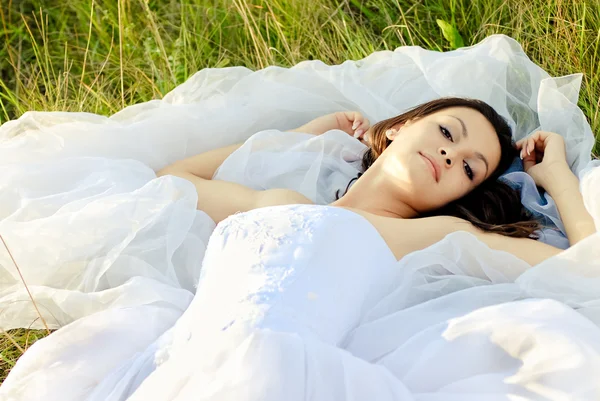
440	160
284	283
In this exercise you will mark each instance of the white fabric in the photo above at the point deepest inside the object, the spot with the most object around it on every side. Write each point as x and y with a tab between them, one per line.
114	255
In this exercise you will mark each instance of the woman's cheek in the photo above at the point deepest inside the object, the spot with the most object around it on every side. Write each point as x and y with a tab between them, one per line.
455	192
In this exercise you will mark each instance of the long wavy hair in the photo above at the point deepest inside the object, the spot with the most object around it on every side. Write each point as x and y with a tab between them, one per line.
493	206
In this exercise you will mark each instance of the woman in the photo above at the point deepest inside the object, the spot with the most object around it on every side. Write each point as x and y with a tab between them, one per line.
440	159
286	285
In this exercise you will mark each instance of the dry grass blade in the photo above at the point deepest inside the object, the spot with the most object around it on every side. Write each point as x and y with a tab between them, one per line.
12	340
25	284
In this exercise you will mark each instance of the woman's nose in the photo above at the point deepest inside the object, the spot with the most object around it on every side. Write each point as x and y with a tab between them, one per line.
448	156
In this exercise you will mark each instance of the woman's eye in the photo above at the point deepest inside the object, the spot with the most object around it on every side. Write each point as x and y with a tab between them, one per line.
468	171
446	133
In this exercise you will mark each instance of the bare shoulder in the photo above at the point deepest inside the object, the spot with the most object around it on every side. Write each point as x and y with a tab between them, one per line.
404	236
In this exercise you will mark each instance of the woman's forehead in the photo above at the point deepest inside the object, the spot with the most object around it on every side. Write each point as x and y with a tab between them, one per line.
470	120
466	112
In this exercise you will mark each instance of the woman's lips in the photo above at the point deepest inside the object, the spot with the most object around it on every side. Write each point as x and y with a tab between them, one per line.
435	168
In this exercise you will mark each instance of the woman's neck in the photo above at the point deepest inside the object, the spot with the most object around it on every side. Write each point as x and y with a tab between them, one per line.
373	194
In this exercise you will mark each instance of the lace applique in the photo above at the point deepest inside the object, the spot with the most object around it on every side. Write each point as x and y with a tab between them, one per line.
257	238
275	225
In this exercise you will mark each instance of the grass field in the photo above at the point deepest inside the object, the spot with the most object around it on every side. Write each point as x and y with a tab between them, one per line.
99	56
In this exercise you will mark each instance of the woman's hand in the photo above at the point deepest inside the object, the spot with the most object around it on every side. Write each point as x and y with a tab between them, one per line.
544	158
543	155
353	123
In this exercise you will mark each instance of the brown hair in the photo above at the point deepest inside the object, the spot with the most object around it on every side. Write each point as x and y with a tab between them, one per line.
493	206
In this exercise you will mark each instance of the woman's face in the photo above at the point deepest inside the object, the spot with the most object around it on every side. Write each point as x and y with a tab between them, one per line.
440	158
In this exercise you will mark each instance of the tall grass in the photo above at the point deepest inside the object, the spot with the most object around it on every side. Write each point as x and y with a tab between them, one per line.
99	56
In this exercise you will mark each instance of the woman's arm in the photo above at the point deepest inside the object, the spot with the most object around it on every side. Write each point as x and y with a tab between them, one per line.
203	165
544	159
220	199
564	189
529	250
424	232
351	122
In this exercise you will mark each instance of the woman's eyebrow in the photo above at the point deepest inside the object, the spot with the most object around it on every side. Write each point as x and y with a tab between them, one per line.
464	127
482	157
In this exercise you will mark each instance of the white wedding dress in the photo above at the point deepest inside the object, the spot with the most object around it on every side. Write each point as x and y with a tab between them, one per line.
304	302
285	311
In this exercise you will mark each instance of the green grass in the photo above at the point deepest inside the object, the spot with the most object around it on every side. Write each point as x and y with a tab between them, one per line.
12	346
99	56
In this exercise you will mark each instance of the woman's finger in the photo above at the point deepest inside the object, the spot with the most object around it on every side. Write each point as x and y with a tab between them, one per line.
523	147
529	161
535	142
367	138
543	139
540	145
531	144
521	150
358	120
366	124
